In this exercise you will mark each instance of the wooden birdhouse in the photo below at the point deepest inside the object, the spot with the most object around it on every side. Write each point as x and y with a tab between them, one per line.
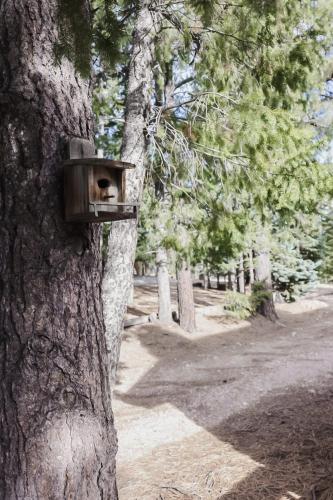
95	188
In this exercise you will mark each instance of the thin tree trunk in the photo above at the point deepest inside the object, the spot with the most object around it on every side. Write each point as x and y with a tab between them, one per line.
203	278
186	298
164	295
263	267
232	280
251	270
56	425
240	275
264	276
123	235
138	266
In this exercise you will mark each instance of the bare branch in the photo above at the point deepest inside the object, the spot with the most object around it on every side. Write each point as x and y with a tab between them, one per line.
184	82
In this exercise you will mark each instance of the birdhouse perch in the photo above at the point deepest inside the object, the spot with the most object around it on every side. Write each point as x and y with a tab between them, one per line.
95	188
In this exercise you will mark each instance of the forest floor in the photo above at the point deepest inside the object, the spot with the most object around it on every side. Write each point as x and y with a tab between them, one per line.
236	411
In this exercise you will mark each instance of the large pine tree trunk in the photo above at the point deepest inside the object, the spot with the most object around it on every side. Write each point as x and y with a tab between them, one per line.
163	281
56	424
186	298
123	235
264	274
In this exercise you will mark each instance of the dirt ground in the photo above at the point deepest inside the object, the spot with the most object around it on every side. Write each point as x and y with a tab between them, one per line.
237	411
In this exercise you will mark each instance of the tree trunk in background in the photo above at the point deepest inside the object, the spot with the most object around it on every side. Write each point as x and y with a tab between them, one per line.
164	294
139	266
185	298
56	425
263	267
251	270
205	281
123	235
203	278
240	276
232	280
263	274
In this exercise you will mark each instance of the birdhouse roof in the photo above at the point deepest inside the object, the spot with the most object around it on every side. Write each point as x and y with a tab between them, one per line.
100	162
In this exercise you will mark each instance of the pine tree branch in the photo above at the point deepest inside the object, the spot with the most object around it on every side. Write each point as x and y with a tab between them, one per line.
184	82
179	105
231	35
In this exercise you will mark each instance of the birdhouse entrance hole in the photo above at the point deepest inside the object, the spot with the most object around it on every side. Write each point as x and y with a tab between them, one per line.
103	183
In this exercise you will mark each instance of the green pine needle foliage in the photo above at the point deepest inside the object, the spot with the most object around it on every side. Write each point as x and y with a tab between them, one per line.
296	255
238	305
75	34
259	295
100	28
235	145
326	269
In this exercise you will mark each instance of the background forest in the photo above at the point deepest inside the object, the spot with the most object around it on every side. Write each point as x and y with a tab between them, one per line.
238	137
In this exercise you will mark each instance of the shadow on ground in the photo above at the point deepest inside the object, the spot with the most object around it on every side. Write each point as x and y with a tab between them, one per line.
291	435
289	431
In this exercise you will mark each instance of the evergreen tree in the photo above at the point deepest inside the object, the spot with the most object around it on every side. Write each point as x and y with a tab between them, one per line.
228	132
326	269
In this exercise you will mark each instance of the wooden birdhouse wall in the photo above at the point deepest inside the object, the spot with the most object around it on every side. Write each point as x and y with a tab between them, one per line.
76	191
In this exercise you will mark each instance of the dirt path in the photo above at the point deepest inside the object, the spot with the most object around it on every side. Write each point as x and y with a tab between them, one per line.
233	412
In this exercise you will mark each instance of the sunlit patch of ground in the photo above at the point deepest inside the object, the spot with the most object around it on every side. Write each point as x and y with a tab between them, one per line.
238	414
302	306
199	466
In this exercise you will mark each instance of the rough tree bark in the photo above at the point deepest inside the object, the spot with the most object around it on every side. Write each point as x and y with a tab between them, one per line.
264	274
185	298
56	424
123	235
163	280
130	298
240	275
